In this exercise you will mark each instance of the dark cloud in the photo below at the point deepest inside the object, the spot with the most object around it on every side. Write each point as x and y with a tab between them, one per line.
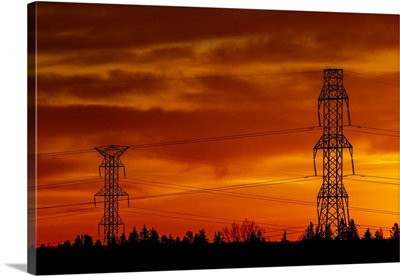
75	27
269	93
86	127
127	57
69	166
209	91
89	87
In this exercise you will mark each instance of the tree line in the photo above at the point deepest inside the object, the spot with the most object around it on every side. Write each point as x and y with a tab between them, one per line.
237	245
246	232
347	232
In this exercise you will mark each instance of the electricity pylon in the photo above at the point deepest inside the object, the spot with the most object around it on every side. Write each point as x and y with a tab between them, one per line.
111	191
332	199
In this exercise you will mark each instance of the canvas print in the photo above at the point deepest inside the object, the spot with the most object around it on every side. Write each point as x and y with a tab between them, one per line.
180	138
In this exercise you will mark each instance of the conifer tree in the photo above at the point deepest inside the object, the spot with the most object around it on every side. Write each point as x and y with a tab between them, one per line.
367	235
394	232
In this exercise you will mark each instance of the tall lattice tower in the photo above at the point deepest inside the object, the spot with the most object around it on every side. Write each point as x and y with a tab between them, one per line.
332	199
111	191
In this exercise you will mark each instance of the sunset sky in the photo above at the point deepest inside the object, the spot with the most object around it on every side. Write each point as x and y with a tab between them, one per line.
131	75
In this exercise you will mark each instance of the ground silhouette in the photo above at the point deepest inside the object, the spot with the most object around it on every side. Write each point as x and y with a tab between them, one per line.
145	250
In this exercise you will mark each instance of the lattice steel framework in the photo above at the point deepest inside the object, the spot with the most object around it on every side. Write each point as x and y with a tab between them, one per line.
111	191
332	199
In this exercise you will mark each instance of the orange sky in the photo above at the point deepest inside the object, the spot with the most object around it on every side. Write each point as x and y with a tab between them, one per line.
92	60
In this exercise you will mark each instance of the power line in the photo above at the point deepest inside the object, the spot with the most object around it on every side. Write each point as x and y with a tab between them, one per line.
374	79
201	220
64	184
220	138
221	191
65	211
184	214
212	217
287	233
249	196
208	219
376	176
376	182
373	226
59	206
362	74
189	189
214	162
67	152
234	186
369	210
225	137
70	215
230	194
374	128
191	141
373	133
213	221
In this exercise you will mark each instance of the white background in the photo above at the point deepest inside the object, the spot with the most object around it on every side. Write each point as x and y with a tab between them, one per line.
13	125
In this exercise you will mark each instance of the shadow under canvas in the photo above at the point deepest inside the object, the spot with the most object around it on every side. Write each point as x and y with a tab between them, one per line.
21	267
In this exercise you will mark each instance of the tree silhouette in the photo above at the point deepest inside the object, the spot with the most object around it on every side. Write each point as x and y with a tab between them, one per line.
153	236
378	234
144	234
352	231
394	232
189	236
328	233
342	231
200	237
284	238
260	236
245	232
367	235
318	234
122	239
232	234
98	244
170	239
67	244
218	238
252	238
164	239
87	241
185	240
78	241
248	230
133	236
309	232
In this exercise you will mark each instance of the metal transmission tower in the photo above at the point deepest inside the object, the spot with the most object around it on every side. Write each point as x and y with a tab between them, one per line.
111	191
332	199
